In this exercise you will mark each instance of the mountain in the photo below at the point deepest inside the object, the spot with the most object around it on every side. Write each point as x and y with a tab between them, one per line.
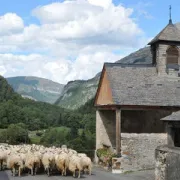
142	56
35	88
36	115
77	93
6	91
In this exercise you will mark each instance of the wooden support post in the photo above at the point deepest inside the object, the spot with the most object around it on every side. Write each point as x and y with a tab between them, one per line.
118	132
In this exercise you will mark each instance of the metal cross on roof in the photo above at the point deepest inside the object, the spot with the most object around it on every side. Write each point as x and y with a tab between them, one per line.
170	20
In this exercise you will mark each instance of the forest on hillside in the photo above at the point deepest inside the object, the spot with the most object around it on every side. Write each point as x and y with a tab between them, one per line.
52	124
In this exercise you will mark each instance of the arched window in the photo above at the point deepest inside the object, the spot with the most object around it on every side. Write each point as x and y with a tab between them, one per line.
172	57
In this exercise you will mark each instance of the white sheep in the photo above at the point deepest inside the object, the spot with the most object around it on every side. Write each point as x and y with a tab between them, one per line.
48	161
60	161
37	156
75	164
32	162
82	155
3	157
87	164
14	162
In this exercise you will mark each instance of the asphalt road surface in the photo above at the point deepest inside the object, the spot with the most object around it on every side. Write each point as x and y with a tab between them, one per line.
98	174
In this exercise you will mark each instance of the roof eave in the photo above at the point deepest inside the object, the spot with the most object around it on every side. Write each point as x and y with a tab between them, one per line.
164	41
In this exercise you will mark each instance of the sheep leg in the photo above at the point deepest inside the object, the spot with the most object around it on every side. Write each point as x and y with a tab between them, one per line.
89	170
48	173
79	174
74	173
19	171
35	170
14	171
51	170
29	171
65	171
32	171
1	165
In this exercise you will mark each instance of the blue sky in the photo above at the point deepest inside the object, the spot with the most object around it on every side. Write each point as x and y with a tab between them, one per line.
59	39
158	9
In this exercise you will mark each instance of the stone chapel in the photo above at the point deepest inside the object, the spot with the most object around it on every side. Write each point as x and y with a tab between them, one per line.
132	98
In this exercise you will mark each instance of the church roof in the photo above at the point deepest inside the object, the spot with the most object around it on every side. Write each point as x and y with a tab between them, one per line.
175	116
169	33
140	85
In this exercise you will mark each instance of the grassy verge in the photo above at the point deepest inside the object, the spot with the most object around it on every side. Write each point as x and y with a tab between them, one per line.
35	136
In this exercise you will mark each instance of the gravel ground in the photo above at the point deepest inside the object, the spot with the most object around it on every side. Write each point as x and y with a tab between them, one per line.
98	174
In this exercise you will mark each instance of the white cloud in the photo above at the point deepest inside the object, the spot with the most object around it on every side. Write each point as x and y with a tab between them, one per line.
85	23
85	66
2	70
104	3
73	41
10	23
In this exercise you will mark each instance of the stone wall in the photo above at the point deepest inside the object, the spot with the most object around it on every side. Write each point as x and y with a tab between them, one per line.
138	150
161	59
167	163
142	132
105	128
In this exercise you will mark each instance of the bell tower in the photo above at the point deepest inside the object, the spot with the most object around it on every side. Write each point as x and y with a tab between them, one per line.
165	50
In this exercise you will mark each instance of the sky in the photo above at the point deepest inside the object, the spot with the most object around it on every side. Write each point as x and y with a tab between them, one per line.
65	40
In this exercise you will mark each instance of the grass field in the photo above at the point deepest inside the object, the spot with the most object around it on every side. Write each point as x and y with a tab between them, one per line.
34	138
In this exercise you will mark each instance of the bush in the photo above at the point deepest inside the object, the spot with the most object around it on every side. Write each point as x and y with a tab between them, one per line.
105	156
3	136
55	136
17	133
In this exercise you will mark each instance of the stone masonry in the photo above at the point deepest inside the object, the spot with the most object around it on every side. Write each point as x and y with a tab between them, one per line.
138	150
161	59
105	129
167	163
138	145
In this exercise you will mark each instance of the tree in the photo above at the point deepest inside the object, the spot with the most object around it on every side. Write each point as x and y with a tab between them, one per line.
74	132
3	136
17	133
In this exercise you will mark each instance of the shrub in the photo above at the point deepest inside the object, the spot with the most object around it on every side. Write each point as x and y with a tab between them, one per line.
3	136
17	133
105	156
55	136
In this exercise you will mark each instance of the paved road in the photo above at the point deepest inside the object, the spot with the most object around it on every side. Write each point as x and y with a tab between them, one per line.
98	174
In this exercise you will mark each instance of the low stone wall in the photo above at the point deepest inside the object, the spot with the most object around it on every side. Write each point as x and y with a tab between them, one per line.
167	163
138	150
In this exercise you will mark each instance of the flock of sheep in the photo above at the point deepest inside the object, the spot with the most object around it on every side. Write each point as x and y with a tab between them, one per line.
33	158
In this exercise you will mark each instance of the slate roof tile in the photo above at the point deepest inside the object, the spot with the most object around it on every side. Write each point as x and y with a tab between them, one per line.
175	116
141	85
169	33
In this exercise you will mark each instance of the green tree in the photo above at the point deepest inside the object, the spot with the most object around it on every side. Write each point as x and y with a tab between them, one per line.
3	136
17	133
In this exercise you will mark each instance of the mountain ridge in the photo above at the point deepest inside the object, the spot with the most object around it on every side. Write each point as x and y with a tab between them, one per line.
36	88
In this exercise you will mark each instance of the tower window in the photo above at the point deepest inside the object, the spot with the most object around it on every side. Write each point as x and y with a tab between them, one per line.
172	58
